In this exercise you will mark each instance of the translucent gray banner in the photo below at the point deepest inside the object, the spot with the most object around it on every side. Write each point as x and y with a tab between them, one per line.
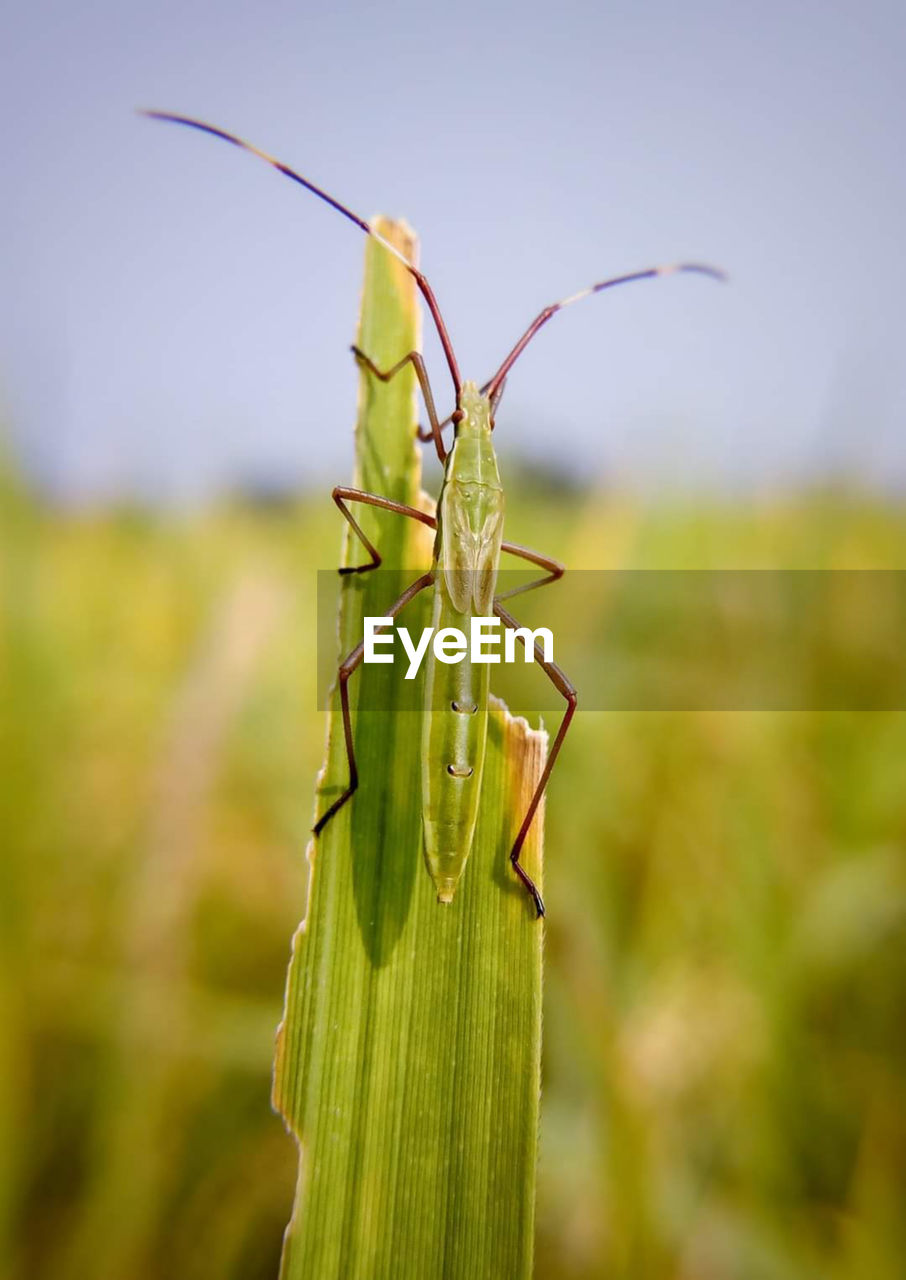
653	640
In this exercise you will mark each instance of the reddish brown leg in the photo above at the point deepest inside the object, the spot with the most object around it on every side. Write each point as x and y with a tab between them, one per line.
428	434
421	373
342	494
562	684
554	569
347	666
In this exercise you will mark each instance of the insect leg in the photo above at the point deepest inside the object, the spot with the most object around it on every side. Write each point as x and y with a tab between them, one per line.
342	494
554	569
429	434
562	684
421	373
347	666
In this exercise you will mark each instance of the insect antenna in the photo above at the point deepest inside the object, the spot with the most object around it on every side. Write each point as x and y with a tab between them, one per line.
496	383
423	285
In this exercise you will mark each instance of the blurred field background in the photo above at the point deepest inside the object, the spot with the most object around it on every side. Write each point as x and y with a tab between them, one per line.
724	1096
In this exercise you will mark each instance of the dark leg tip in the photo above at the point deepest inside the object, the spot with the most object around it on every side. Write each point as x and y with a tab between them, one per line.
359	568
323	820
337	804
528	884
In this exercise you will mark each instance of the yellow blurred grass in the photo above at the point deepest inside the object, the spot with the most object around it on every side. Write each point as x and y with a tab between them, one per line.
726	969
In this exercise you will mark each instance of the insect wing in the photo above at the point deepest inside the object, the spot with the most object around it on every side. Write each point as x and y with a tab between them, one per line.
472	516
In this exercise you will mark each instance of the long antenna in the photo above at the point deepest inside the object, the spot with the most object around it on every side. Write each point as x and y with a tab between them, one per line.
543	316
424	287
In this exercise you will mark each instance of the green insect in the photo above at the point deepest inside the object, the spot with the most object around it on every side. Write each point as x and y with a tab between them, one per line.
467	548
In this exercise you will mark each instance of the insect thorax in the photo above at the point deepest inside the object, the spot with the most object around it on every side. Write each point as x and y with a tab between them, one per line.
470	511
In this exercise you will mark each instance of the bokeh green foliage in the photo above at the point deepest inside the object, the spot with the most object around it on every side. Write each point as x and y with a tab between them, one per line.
723	1090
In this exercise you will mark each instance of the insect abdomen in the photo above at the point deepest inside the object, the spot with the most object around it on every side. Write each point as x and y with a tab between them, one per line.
454	734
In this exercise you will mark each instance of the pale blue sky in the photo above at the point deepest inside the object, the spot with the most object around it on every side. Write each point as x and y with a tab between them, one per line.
176	317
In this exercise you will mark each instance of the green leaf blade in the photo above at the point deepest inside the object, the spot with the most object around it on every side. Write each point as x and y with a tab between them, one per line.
408	1060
